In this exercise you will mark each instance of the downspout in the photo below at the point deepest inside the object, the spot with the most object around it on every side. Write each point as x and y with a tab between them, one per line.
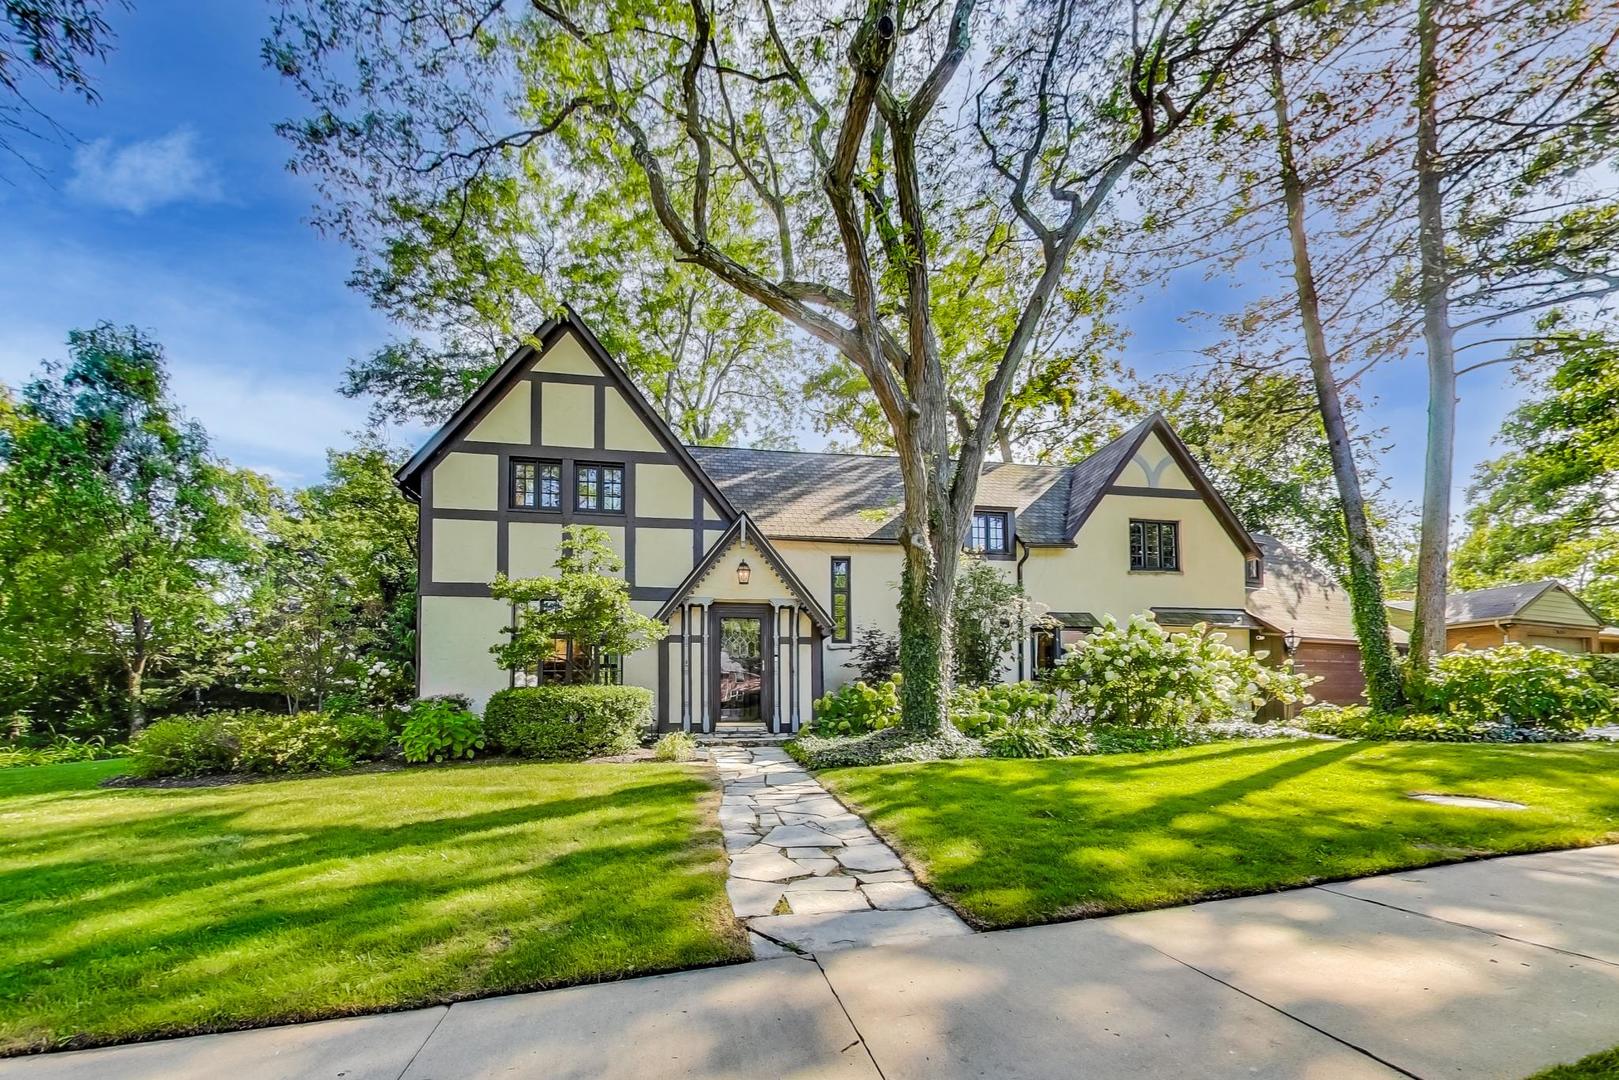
1023	636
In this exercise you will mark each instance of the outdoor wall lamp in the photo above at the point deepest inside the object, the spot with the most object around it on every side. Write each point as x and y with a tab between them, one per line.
1290	641
744	572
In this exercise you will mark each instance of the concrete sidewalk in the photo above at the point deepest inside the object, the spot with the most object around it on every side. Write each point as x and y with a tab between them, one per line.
1490	969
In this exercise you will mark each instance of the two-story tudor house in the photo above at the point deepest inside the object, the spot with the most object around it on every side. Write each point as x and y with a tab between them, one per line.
765	564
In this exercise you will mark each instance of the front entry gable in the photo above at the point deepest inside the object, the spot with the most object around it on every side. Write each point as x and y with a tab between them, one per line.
716	577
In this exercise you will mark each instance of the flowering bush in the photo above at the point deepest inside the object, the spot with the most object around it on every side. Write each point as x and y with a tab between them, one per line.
857	709
1139	674
1520	686
979	710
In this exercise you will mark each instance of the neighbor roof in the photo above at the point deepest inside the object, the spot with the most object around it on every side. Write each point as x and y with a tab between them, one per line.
1298	595
1501	602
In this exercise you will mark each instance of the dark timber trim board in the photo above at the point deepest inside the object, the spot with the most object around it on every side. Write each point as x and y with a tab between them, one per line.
1188	465
484	398
762	543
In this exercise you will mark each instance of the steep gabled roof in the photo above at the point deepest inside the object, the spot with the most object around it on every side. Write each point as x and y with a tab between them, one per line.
1092	478
857	497
1300	596
1500	602
743	530
490	391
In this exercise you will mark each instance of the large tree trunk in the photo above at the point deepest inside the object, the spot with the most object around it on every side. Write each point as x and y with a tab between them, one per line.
1383	685
1433	553
135	672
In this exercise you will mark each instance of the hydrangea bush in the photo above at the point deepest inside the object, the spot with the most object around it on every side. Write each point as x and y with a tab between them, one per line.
1520	686
857	708
1138	674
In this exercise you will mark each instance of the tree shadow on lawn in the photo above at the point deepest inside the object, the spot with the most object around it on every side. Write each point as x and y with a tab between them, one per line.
1018	842
178	911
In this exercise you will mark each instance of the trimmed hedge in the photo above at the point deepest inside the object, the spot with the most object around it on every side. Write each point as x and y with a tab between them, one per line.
568	723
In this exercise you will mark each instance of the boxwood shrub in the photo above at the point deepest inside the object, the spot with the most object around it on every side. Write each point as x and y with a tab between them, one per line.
568	723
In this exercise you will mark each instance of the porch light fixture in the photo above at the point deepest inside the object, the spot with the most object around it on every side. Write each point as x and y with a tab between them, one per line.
1290	642
744	572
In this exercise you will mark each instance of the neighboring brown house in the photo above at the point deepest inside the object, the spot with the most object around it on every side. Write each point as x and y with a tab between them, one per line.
1544	613
1292	596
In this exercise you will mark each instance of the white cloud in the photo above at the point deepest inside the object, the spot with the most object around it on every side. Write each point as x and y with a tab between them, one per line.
144	174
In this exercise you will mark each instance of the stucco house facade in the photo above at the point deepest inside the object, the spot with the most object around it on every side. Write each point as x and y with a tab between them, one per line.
765	565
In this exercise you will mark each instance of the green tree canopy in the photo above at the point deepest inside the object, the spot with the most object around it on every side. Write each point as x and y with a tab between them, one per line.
118	530
1549	506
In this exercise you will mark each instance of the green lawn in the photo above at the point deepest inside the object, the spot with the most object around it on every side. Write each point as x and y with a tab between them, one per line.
1601	1066
128	913
1017	842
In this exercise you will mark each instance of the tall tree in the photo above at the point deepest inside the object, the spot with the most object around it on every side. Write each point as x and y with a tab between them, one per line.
51	41
719	368
1549	506
829	119
1384	687
332	607
119	528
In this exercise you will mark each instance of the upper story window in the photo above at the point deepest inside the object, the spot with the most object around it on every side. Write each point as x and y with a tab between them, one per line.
842	626
598	488
1255	573
1155	545
536	485
991	533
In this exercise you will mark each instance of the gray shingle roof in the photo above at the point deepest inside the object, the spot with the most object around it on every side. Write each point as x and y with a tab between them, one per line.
1482	605
1300	596
856	497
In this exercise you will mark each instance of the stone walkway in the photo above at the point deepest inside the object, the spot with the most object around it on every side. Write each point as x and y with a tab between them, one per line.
808	876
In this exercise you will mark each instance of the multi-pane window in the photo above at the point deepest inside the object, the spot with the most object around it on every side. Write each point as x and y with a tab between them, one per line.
841	626
536	485
990	533
567	661
1155	545
598	488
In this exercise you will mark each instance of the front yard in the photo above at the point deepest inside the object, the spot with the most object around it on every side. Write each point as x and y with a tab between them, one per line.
1013	842
133	913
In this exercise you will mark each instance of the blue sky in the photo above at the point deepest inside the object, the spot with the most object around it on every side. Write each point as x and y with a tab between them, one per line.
174	211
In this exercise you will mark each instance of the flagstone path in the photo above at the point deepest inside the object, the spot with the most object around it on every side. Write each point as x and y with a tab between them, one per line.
807	875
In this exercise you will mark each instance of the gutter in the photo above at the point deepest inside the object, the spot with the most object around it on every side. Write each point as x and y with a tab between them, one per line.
1023	638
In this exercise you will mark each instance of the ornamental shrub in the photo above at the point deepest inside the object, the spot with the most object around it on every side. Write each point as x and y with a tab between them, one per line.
1139	674
568	723
441	729
979	710
1022	739
304	742
857	708
182	746
1518	686
675	746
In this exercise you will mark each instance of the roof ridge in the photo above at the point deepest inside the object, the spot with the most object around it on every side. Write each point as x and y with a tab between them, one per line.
699	447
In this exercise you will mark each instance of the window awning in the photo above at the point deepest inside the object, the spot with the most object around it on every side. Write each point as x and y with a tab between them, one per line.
1227	618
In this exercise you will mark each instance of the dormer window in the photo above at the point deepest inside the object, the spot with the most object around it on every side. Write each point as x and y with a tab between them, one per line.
1255	573
991	533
